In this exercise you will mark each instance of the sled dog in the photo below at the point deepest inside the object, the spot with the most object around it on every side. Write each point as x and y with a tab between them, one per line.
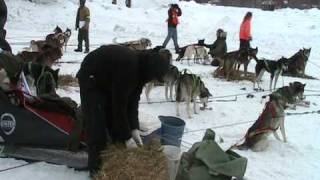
140	44
196	52
270	120
275	68
189	87
169	79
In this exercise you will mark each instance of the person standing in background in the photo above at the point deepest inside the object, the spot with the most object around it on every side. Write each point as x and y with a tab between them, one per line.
245	32
82	23
173	13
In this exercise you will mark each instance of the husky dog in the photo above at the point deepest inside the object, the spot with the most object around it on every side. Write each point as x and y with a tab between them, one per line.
230	60
47	56
268	122
169	79
58	37
275	68
141	44
292	93
245	57
66	37
35	46
227	63
56	31
189	87
297	62
196	52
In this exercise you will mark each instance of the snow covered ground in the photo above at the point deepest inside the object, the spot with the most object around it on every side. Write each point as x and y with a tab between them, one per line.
278	33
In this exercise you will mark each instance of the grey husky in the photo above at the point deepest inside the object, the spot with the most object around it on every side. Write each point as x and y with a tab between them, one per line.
231	61
140	44
270	120
189	87
297	63
169	79
293	93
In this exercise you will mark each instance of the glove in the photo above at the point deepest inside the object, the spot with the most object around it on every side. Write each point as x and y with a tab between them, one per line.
130	143
136	137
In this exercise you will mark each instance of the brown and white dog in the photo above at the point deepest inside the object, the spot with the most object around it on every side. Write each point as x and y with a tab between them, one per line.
270	120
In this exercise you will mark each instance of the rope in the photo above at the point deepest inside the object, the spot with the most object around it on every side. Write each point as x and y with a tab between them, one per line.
239	94
215	97
220	126
311	90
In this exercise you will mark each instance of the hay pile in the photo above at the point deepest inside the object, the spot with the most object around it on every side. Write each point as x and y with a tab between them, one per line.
234	76
67	80
145	163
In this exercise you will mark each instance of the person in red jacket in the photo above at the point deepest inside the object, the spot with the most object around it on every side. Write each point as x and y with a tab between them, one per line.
245	32
173	13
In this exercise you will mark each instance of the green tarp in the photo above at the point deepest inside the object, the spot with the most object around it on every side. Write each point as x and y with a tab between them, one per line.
207	161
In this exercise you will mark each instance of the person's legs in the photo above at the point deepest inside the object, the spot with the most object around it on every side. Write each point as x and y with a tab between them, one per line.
244	44
175	39
80	39
93	105
169	36
86	39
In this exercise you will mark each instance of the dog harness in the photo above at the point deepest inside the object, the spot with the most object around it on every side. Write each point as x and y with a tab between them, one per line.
270	108
41	76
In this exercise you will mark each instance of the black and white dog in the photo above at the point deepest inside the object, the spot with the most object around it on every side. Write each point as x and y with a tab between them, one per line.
169	79
275	68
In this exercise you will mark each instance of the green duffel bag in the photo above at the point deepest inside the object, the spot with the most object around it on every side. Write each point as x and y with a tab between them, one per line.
207	161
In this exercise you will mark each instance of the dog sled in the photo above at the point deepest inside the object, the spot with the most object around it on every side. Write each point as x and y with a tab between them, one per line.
35	133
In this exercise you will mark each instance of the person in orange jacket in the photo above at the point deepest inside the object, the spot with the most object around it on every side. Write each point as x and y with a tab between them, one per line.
245	32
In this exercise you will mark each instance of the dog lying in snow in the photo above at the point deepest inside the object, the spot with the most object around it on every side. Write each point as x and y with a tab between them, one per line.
270	120
140	44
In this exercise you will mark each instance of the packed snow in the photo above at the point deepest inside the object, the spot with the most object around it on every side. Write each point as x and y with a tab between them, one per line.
279	33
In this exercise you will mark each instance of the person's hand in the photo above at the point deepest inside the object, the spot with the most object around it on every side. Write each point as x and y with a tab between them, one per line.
130	143
136	137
